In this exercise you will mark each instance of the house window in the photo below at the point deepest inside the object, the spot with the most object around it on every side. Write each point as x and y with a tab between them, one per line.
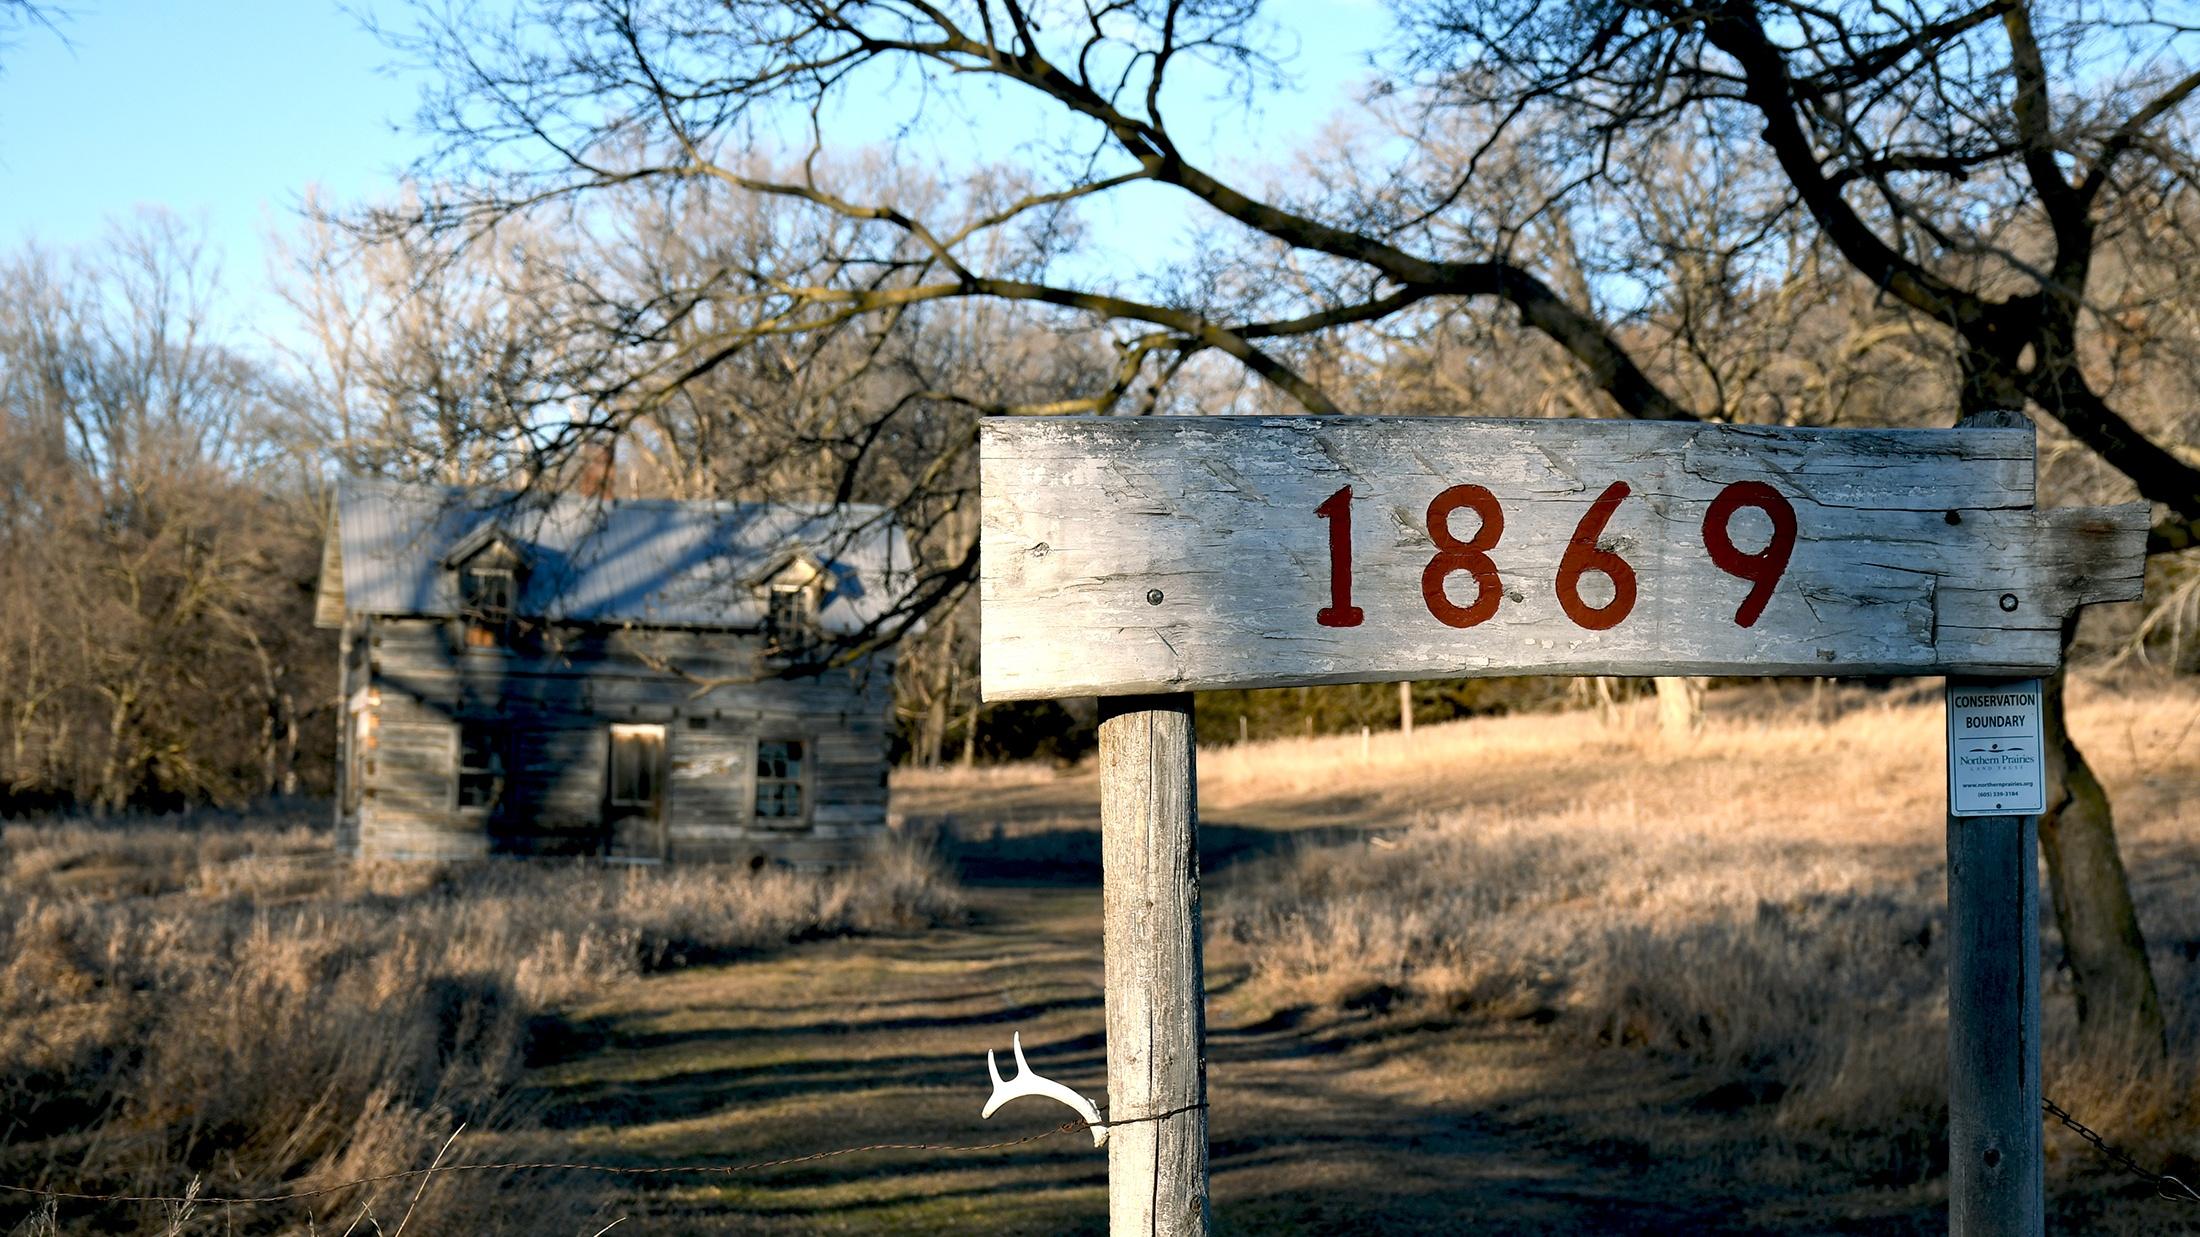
486	594
787	622
779	779
637	755
480	765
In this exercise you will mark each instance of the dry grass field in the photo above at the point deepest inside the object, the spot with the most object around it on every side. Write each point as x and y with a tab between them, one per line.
1756	917
1519	975
1761	910
226	1007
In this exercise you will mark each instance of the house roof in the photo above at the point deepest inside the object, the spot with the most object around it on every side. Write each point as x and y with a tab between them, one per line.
644	562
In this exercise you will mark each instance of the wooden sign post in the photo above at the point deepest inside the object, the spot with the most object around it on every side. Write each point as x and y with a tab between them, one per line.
1147	558
1996	1170
1996	1163
1156	991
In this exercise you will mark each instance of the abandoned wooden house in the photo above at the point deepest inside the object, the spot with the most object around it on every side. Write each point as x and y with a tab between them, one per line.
571	676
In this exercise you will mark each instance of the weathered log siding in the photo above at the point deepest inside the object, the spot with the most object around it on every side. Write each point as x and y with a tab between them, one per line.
557	701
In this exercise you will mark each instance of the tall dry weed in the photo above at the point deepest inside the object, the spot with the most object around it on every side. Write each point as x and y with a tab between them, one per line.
1766	905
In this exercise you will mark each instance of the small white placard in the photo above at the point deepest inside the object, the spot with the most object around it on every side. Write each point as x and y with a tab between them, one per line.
1995	763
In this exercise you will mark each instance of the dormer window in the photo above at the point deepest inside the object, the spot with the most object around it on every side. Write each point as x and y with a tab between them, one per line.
789	622
488	573
486	592
790	608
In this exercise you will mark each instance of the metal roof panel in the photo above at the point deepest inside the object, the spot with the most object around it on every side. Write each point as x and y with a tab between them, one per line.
649	562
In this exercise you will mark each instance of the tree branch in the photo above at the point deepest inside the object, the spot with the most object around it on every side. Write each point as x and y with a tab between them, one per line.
2159	474
2127	135
1735	29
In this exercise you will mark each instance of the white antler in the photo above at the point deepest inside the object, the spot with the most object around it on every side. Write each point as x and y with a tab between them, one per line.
1028	1083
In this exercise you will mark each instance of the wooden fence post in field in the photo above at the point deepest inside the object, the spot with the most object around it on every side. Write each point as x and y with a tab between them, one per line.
1156	989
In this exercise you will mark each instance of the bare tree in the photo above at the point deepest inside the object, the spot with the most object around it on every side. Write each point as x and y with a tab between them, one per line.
1973	162
428	365
645	333
157	644
1968	164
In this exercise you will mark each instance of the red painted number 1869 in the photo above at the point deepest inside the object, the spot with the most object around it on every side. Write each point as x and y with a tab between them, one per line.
1584	555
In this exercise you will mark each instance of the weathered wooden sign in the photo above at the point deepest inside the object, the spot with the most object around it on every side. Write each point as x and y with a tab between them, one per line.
1148	555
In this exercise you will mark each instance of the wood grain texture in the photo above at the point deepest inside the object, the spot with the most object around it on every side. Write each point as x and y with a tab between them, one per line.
1156	985
1996	1160
1916	551
1995	1164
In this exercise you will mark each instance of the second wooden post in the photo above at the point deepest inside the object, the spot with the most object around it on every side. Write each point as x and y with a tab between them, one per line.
1994	1137
1156	986
1995	1153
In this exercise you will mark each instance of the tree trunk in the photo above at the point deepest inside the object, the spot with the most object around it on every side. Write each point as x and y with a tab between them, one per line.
2110	976
948	709
1405	709
1604	691
289	784
947	692
2118	1005
934	735
269	730
1680	708
110	796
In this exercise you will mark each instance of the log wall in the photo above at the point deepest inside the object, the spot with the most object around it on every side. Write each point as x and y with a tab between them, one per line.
557	694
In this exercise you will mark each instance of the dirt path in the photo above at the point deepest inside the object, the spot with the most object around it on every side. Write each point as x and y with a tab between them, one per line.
1328	1120
1333	1123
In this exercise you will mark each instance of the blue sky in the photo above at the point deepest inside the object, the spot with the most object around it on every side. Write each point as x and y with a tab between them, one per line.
223	113
226	113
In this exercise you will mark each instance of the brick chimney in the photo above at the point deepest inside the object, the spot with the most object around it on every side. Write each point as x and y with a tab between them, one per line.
599	479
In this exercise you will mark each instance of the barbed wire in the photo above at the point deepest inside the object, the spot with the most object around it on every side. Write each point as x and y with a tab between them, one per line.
621	1170
2165	1186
